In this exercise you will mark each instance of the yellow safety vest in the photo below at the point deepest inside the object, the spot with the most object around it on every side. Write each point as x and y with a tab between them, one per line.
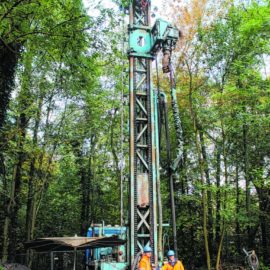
145	263
178	266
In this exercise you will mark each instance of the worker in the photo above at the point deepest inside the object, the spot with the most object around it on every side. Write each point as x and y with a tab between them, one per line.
145	262
172	263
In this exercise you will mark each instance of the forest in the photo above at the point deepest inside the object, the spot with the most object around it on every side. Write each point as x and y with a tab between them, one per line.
64	114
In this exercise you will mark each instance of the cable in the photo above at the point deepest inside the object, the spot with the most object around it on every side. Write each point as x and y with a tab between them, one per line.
158	104
177	121
122	129
136	260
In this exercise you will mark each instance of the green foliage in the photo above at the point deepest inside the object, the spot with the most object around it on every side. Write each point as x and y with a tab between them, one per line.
223	91
68	79
263	266
68	89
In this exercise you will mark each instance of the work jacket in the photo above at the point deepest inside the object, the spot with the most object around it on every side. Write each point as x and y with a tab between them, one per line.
176	265
145	263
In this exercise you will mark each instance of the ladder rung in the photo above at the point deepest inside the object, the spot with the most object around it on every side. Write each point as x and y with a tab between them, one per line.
141	93
141	119
143	235
142	145
140	70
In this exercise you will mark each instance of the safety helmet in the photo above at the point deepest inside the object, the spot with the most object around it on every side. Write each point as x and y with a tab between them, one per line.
170	253
147	249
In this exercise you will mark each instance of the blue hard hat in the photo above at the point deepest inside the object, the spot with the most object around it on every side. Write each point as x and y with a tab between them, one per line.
170	253
147	249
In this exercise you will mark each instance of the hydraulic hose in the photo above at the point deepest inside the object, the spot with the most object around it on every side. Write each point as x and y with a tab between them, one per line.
136	260
172	166
170	172
177	122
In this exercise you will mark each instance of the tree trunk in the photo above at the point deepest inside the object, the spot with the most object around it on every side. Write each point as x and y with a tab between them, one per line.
199	154
114	149
8	61
11	215
23	121
7	208
220	248
221	238
265	242
237	229
25	101
264	205
209	195
192	248
31	196
85	201
247	175
218	195
221	221
86	174
204	198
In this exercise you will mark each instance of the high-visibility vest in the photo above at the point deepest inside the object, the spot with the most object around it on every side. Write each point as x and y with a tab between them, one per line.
145	263
177	266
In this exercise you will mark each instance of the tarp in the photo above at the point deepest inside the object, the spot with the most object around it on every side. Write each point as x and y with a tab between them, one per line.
72	243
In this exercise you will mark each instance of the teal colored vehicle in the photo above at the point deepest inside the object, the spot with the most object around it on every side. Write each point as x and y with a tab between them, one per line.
107	257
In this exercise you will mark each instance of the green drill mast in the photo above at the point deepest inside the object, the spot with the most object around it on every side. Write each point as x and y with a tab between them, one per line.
144	43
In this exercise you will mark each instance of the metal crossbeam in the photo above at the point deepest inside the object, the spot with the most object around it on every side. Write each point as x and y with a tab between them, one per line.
143	219
141	106
141	133
142	160
141	82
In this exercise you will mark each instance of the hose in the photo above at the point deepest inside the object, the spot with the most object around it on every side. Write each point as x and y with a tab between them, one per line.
135	262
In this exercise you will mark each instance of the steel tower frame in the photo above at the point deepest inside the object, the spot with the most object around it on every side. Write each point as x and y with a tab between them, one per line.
144	43
143	146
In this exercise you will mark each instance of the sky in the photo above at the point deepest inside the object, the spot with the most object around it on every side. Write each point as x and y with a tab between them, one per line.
89	4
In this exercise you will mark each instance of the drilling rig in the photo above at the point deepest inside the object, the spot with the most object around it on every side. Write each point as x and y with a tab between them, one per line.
145	42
